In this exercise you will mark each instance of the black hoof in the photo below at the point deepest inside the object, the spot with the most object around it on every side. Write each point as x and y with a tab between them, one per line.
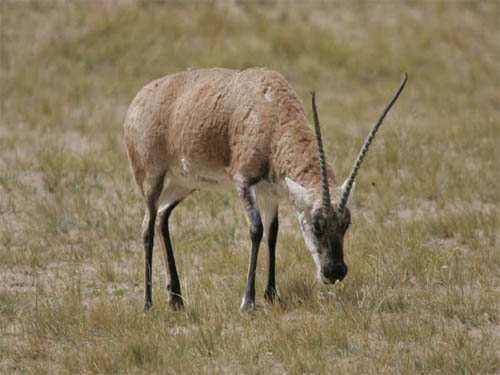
271	295
247	306
176	301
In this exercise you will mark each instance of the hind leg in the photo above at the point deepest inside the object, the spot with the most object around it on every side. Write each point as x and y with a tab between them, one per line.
171	197
151	190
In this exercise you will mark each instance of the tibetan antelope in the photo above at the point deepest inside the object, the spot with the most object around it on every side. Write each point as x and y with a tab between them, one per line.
216	129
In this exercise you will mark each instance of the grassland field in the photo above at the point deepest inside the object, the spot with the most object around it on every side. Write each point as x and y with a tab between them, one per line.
423	291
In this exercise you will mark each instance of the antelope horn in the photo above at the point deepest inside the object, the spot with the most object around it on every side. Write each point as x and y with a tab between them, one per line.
364	149
326	203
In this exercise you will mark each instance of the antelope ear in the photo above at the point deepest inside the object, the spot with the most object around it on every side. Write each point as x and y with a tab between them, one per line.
298	193
351	194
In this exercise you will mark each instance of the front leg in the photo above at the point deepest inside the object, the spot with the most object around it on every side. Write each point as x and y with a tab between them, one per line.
272	235
247	197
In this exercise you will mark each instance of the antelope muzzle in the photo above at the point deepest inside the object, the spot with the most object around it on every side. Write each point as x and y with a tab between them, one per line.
332	272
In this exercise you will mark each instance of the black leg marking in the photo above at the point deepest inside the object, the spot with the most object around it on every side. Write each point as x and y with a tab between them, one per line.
173	284
271	292
256	232
151	198
148	263
148	238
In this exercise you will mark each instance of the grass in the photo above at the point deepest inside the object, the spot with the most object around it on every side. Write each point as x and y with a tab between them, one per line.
423	290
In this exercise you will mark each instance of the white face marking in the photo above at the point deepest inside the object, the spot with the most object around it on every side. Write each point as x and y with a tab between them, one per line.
267	94
303	206
307	233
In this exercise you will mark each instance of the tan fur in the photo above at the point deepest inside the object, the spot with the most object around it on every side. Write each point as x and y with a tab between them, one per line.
224	124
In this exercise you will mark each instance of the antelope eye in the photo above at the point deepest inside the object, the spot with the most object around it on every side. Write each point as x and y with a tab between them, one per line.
319	225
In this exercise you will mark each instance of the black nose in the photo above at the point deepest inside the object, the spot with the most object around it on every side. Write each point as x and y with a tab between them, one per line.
332	272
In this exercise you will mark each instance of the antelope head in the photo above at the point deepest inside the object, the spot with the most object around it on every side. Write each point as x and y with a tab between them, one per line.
323	221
